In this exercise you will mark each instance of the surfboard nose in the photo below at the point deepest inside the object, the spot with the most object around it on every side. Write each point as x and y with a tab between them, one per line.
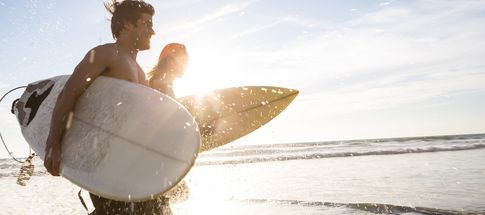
27	106
19	111
227	114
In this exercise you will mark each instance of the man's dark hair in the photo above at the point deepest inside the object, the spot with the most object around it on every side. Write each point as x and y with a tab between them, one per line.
126	11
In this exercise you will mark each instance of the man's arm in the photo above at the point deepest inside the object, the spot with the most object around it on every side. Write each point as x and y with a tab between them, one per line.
94	63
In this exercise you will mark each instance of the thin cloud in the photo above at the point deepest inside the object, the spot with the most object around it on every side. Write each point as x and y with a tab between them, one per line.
390	57
226	10
378	95
174	4
385	3
293	20
258	28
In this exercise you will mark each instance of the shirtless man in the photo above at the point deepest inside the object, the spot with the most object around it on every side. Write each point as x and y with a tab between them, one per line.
131	26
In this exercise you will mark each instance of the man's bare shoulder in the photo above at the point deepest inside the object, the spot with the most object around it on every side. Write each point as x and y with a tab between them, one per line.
96	61
104	52
107	47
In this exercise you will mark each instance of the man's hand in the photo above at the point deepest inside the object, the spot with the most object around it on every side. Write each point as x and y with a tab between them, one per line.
52	159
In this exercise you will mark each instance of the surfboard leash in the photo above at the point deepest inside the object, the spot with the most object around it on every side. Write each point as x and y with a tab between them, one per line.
11	110
27	168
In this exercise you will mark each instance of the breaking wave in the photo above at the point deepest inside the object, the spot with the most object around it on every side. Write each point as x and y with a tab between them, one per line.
238	157
369	207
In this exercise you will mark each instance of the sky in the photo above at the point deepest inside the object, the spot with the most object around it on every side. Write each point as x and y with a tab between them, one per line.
364	68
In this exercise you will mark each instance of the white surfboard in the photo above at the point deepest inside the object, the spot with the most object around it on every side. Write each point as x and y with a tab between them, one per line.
125	141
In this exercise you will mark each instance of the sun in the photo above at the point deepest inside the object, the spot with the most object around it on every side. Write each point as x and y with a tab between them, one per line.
207	70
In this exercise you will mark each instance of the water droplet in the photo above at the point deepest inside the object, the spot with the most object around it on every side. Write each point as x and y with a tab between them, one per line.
88	79
91	56
119	103
69	120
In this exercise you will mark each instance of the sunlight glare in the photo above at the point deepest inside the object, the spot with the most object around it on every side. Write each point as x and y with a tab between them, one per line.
207	69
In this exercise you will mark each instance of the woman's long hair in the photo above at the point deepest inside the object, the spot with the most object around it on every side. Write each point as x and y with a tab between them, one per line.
169	52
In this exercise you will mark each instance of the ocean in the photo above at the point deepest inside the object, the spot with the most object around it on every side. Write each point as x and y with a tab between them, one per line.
421	175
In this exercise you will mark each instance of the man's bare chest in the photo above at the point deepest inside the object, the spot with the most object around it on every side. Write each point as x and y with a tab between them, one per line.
126	69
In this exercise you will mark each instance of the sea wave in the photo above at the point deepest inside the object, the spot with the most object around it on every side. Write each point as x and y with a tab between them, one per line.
11	168
16	172
319	155
369	207
244	154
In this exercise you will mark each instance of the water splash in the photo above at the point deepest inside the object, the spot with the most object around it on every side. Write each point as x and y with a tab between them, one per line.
69	120
92	54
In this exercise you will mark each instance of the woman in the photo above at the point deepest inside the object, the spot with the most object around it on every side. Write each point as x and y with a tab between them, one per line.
171	65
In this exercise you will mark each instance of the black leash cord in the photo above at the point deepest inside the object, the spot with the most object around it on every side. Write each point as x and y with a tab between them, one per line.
13	104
